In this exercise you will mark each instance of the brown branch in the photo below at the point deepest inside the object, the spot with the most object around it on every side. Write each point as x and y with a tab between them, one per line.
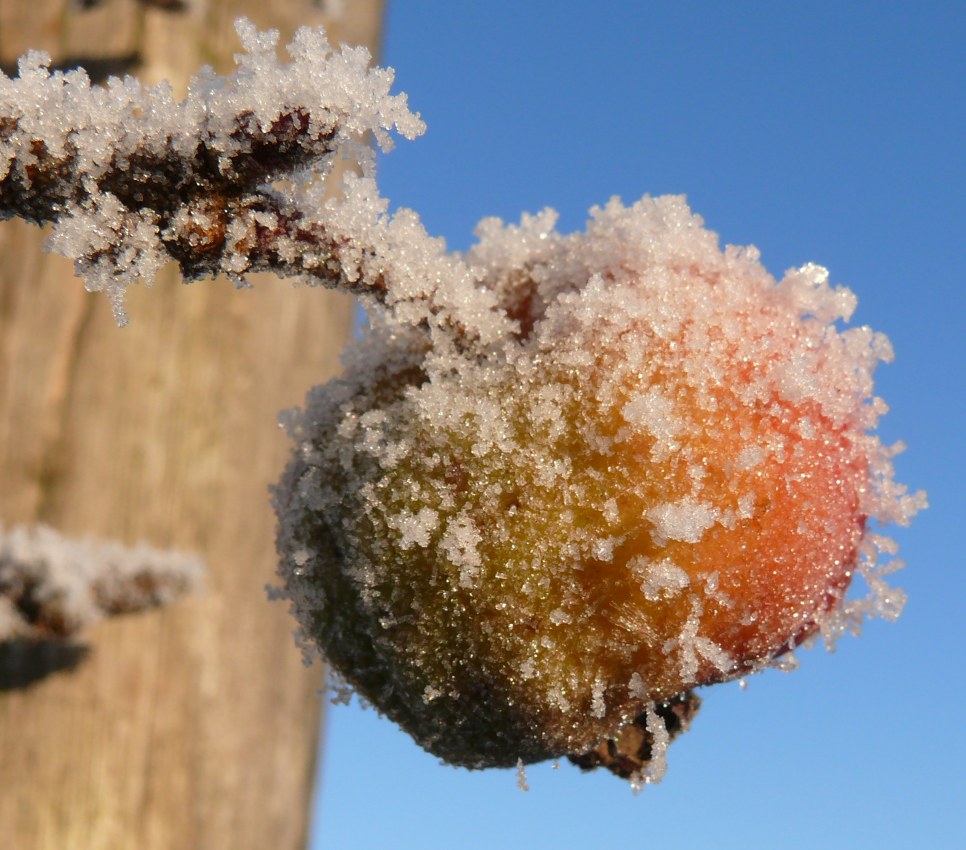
160	179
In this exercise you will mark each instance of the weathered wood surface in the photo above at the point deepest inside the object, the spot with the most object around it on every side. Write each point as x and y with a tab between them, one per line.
195	726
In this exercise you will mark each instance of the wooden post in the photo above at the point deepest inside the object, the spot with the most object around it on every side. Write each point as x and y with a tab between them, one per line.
194	726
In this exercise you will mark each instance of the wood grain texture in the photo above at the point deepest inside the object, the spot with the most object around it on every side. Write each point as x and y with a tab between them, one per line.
195	726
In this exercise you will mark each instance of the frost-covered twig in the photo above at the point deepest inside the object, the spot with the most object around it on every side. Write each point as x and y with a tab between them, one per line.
52	586
130	178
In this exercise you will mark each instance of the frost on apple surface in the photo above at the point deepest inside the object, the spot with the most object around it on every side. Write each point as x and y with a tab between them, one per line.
657	473
564	479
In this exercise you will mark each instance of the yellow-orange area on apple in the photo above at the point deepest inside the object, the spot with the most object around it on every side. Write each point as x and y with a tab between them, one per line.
660	480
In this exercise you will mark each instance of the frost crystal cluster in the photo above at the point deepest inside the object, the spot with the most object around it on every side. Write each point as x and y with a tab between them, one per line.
564	479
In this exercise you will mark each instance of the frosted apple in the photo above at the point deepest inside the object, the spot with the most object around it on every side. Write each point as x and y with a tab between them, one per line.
661	477
564	480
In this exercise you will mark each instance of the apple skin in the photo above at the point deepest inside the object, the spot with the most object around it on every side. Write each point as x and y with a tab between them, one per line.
659	483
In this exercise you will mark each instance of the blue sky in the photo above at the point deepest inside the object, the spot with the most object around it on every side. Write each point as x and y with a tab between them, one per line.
824	132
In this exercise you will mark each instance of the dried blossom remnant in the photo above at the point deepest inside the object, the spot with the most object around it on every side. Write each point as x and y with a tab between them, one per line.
636	748
131	178
53	587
